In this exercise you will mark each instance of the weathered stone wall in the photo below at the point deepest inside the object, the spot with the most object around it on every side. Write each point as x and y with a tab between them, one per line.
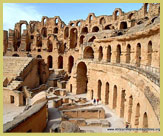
29	121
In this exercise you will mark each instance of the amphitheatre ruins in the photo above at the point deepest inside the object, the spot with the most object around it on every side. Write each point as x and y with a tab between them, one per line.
52	73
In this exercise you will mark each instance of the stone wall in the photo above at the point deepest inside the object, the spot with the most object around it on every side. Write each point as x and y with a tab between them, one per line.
29	121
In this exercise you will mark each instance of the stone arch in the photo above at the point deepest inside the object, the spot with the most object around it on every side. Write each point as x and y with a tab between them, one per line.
108	27
88	53
118	57
44	32
56	20
130	104
82	79
66	33
70	63
138	55
82	39
60	62
102	21
123	25
137	115
107	93
149	53
15	55
50	61
55	30
114	97
23	27
90	18
128	53
73	37
145	120
84	30
117	12
130	16
100	53
99	89
50	46
109	53
78	23
92	39
122	108
95	29
44	20
146	8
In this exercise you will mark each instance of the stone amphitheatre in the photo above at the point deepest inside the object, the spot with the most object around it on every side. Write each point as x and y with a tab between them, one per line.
52	72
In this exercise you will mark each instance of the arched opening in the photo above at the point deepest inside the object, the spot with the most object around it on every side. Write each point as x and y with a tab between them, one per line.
88	53
12	99
66	33
82	79
100	52
78	23
50	61
114	97
138	55
123	25
109	54
137	115
82	39
118	58
56	21
50	46
15	55
70	63
73	38
107	93
70	88
39	57
149	58
108	27
62	48
28	47
44	32
92	39
145	120
102	21
84	30
92	93
23	28
55	30
130	16
146	8
130	103
99	89
90	18
60	62
39	42
128	56
95	29
44	21
116	15
123	94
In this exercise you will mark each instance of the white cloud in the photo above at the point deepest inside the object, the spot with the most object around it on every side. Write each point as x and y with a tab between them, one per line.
13	13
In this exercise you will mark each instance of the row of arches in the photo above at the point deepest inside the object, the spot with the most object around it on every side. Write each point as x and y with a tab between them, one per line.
89	53
123	102
60	62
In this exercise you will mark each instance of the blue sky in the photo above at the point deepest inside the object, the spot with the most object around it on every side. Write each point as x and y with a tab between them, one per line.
13	12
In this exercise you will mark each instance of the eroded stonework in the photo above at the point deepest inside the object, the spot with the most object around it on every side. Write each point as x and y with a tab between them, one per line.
114	58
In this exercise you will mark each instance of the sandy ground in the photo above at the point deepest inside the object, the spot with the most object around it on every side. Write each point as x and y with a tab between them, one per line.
10	111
